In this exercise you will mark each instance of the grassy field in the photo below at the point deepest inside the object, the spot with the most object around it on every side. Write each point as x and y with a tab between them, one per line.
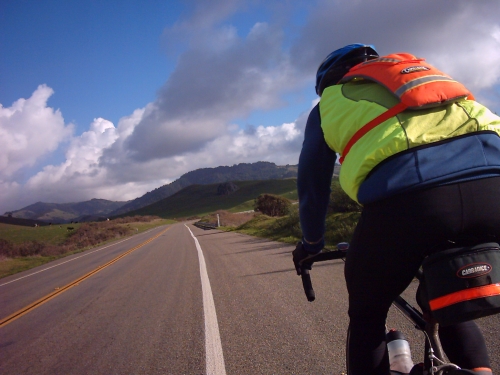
245	206
54	234
57	234
56	238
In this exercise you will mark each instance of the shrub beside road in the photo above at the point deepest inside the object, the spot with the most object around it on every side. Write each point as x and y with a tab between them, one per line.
343	216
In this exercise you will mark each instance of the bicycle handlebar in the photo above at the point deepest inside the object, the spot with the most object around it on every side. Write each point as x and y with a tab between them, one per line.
306	276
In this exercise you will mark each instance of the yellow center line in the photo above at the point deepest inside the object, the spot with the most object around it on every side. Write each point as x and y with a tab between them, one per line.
58	291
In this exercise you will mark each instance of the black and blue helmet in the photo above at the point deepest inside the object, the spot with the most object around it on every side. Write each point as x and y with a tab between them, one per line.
338	63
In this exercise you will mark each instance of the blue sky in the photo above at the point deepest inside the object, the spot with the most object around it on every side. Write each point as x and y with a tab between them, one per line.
111	99
101	59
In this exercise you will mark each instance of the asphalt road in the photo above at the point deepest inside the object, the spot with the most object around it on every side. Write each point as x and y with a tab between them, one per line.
146	313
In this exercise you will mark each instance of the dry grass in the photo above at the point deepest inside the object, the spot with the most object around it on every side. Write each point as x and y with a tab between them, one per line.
229	219
85	236
20	256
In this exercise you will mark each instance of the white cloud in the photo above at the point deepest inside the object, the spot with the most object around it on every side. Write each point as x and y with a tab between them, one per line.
222	77
460	37
472	56
75	178
279	144
79	177
29	130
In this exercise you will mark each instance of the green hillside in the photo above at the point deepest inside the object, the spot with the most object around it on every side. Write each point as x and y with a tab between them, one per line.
196	200
239	172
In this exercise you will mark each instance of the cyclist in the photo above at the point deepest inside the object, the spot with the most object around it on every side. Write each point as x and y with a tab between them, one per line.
444	187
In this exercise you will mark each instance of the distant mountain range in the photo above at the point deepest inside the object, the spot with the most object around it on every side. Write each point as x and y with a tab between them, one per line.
91	210
96	209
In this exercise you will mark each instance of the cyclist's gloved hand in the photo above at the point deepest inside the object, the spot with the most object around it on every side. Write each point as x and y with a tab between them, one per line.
300	256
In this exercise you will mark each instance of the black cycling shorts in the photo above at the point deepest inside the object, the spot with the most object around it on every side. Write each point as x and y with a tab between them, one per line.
391	240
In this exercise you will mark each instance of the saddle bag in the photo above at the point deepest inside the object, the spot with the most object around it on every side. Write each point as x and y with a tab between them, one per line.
462	284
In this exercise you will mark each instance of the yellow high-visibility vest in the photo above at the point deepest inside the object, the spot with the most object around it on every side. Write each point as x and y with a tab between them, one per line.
345	108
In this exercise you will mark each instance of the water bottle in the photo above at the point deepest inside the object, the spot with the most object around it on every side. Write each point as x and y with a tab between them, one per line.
399	352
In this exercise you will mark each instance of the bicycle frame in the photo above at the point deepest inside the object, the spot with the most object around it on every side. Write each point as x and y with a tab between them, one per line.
433	348
434	360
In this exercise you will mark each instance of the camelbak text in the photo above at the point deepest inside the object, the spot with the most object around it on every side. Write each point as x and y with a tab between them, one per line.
413	69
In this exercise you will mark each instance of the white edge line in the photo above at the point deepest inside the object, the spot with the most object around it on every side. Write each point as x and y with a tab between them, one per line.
72	259
213	346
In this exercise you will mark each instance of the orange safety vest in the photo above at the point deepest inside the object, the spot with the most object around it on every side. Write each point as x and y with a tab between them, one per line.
414	82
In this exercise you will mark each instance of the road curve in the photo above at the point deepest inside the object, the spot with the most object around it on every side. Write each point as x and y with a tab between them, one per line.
144	313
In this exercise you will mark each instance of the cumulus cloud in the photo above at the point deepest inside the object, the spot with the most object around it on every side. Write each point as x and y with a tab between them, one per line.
72	179
459	37
225	78
279	144
29	130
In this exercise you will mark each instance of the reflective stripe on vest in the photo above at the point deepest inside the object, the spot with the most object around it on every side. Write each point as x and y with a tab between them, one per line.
415	83
420	81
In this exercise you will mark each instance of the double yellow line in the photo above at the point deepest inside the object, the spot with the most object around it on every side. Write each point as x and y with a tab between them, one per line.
58	291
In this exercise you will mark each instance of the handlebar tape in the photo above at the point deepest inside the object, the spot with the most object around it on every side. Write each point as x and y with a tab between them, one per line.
307	284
